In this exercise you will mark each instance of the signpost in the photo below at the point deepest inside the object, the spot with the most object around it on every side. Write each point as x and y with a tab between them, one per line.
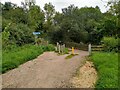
36	33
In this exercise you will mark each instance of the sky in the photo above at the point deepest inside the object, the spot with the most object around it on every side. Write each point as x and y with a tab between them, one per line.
59	4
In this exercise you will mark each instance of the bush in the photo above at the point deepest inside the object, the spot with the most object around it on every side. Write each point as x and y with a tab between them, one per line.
12	59
66	51
16	34
49	47
110	44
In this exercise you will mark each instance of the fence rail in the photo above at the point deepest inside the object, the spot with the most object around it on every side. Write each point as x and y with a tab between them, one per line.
97	48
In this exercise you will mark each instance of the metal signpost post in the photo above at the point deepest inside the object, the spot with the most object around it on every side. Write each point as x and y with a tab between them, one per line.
36	33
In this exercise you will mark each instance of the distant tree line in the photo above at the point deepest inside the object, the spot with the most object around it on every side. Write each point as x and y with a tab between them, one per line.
86	25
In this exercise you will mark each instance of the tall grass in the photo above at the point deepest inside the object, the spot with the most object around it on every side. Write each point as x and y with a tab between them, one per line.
107	67
12	59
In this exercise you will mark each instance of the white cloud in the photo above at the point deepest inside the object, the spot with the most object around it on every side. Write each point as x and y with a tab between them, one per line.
59	4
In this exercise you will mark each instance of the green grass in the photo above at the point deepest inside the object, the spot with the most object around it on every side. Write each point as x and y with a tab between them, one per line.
65	51
70	56
12	59
107	66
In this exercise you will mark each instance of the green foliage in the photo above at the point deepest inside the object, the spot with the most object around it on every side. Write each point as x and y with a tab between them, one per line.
8	6
110	28
49	47
20	17
49	11
0	20
110	44
107	67
20	26
115	12
86	25
5	23
66	51
19	34
36	18
13	58
5	37
77	25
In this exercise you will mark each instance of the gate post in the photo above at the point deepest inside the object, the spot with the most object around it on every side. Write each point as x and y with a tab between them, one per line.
89	49
59	48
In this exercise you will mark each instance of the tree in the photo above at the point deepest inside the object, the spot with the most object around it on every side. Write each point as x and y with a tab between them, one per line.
49	11
14	13
36	18
115	10
8	5
111	19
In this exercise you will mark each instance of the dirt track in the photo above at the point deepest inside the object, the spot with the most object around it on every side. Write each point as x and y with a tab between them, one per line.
47	71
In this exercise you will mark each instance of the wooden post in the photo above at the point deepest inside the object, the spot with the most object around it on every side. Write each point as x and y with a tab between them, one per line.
35	39
89	49
55	48
59	48
63	46
62	49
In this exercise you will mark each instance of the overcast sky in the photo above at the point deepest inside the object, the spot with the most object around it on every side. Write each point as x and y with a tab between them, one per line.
59	4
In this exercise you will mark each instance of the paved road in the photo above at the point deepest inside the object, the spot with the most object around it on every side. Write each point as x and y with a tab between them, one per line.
49	70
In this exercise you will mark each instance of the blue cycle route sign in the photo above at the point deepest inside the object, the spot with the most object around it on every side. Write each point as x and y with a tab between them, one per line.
36	33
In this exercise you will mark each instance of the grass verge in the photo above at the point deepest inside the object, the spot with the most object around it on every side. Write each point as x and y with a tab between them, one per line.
107	66
70	56
12	59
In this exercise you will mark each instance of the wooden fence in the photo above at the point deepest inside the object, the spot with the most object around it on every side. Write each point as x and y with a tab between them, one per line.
95	48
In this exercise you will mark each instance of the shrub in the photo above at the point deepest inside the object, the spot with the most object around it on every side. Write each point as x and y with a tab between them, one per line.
110	44
16	34
50	47
66	51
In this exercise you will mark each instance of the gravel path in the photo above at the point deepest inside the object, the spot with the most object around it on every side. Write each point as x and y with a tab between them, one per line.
48	70
86	78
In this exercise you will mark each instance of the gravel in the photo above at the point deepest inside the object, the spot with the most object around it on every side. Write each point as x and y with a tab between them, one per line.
48	70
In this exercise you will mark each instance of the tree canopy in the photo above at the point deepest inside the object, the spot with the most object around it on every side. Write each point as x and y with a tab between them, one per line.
73	24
